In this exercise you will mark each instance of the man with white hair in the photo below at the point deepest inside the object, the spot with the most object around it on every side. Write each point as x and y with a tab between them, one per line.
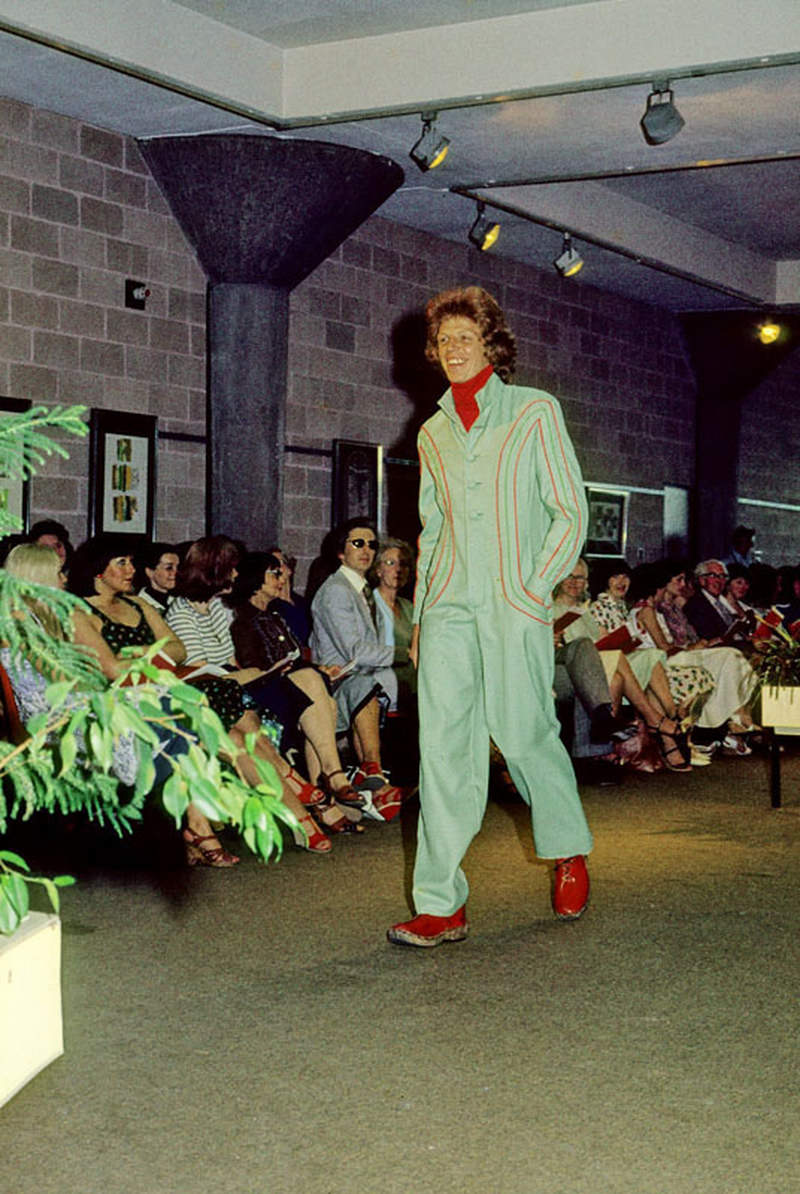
706	612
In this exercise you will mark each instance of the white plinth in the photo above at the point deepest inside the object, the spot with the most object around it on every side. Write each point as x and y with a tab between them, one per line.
31	1032
780	708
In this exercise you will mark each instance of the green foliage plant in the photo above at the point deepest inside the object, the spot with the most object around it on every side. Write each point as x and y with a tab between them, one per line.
65	764
777	661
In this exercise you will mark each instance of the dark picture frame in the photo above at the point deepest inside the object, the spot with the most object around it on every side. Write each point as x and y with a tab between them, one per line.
15	492
608	521
357	482
122	473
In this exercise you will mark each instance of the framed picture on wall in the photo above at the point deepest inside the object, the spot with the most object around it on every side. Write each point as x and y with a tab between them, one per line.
14	492
357	482
608	521
122	473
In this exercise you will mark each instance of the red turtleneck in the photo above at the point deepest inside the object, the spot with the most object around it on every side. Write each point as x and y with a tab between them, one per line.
464	396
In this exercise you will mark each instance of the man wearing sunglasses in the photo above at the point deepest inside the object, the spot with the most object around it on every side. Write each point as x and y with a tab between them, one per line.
345	635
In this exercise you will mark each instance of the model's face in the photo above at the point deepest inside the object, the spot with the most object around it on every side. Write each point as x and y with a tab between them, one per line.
56	544
574	585
714	579
461	352
619	584
393	569
738	587
118	575
359	550
163	576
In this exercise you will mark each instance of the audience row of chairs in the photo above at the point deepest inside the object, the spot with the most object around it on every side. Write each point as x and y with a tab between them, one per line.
652	665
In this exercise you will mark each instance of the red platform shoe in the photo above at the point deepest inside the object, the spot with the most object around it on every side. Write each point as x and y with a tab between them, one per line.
571	888
426	931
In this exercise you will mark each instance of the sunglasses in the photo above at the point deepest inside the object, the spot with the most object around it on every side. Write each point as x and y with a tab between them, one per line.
370	543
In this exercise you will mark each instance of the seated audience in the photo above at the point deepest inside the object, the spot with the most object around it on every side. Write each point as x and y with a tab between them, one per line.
291	605
42	566
628	675
392	568
705	609
294	691
739	633
345	635
159	562
787	601
659	619
49	533
763	587
689	685
102	572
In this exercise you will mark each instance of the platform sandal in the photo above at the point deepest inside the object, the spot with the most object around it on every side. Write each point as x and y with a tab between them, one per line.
310	837
346	795
306	792
199	855
679	748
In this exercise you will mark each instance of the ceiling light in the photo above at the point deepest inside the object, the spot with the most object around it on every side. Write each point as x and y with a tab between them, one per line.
483	232
768	331
661	121
431	149
570	261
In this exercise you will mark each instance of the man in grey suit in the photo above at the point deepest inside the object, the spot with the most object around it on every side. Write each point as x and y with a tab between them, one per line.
345	635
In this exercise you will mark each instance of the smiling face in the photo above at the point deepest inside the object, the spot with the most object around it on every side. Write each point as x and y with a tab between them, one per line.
162	577
461	350
619	584
574	585
358	554
713	579
118	575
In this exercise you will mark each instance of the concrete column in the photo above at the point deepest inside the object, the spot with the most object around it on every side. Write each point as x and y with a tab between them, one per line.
718	419
247	376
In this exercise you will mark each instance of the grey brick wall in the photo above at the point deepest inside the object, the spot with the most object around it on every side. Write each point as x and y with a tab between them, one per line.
769	464
78	214
618	367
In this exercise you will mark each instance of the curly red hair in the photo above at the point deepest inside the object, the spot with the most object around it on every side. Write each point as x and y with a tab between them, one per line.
472	302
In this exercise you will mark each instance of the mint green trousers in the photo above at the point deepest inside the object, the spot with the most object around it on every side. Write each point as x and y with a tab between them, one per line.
487	672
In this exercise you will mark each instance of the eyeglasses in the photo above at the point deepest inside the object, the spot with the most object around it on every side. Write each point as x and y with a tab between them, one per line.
393	564
370	543
274	572
716	575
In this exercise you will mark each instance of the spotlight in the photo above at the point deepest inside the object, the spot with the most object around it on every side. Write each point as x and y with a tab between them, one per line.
431	149
768	331
661	121
570	261
483	232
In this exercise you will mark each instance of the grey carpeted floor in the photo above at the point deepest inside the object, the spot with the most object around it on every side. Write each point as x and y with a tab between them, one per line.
252	1031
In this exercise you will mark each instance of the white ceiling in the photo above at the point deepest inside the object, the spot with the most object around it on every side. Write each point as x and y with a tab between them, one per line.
541	102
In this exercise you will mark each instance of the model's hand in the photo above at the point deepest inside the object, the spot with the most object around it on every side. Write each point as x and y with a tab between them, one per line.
413	647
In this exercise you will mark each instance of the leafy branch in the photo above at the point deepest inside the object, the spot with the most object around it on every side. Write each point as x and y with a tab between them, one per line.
66	765
26	443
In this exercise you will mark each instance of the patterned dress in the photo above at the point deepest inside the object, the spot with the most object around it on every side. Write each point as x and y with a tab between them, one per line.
225	697
30	687
689	683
